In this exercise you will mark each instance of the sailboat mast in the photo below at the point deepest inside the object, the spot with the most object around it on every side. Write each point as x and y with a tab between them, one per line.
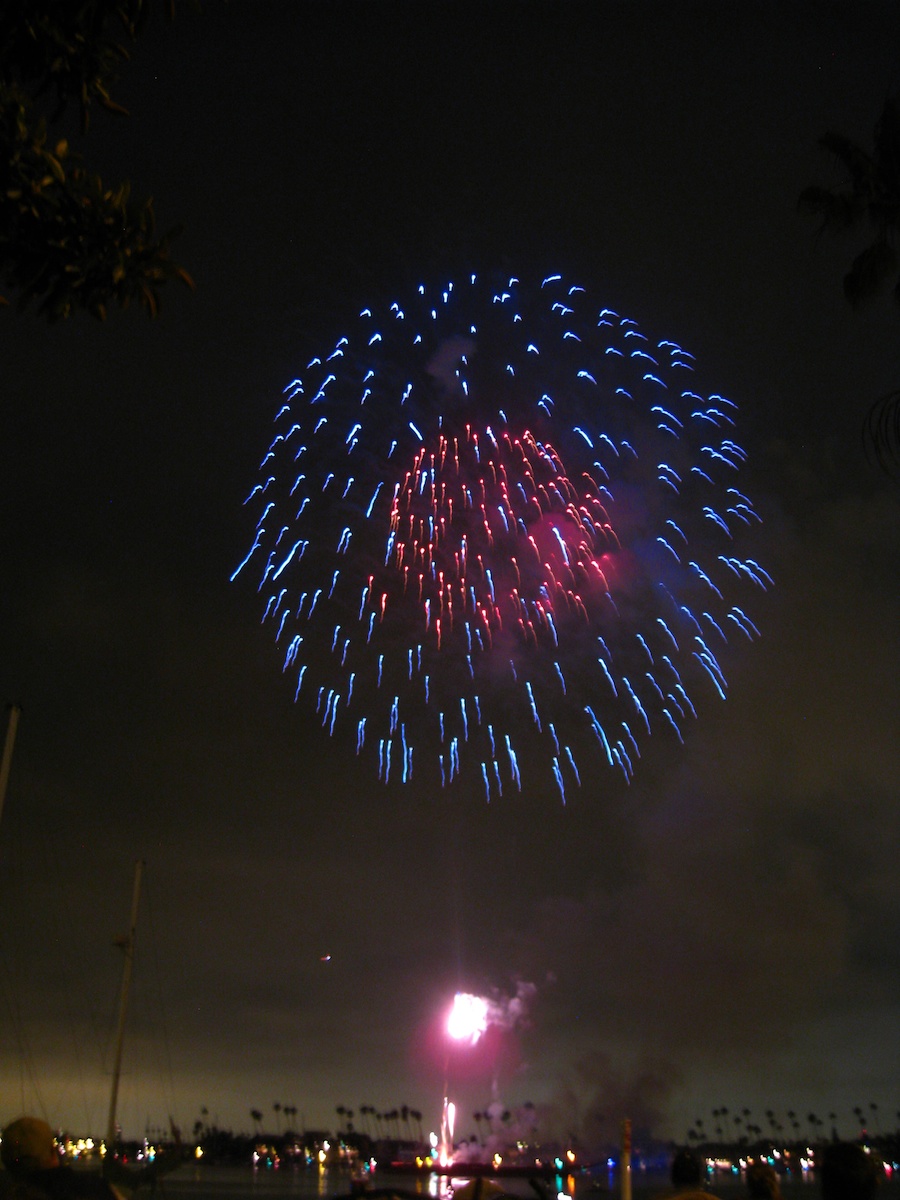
12	726
128	946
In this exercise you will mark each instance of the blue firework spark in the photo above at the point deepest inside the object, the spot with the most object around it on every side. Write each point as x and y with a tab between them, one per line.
498	529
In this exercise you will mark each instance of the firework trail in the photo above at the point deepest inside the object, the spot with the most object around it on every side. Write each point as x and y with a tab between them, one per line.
497	530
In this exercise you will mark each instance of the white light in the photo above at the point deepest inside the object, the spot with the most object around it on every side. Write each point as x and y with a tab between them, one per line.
468	1017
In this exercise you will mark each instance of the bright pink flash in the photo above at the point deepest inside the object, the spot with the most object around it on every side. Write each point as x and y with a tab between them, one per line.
468	1017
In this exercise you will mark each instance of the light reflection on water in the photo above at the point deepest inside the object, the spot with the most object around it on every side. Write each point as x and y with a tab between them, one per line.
238	1183
245	1183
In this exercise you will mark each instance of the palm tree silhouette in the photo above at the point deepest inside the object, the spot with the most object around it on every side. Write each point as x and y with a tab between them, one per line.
870	195
417	1117
532	1119
478	1117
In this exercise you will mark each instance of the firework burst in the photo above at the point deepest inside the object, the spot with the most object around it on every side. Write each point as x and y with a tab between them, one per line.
497	530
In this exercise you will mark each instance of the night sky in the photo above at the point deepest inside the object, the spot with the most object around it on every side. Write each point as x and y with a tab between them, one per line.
723	932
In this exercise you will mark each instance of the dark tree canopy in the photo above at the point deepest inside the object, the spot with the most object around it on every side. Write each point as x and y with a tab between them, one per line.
68	242
869	197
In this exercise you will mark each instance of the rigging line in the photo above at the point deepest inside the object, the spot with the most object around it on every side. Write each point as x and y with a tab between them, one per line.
26	1059
106	1034
17	873
76	1031
168	1075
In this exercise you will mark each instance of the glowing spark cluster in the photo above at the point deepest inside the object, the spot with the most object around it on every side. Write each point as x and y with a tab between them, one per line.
498	529
468	1017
